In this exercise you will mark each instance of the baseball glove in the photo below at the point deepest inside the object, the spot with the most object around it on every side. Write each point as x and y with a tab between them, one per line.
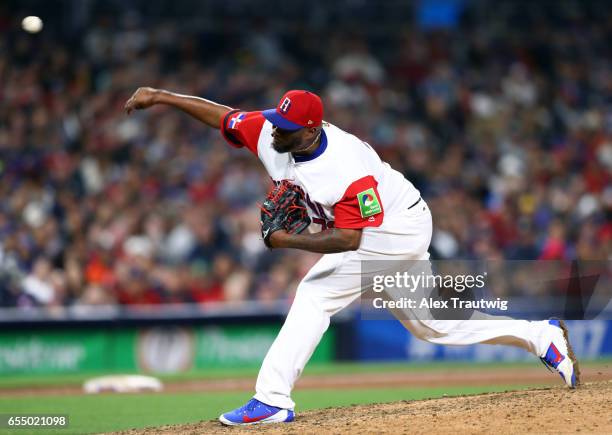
283	209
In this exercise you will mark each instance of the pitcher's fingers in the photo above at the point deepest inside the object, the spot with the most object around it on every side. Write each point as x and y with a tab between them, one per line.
128	106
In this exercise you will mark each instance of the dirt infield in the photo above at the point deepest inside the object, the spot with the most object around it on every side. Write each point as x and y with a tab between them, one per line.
553	410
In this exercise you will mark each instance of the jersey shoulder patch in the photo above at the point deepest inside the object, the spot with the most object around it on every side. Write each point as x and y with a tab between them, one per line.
242	129
369	203
360	205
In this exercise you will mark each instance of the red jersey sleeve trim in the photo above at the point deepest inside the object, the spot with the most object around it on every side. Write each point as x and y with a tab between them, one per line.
350	213
242	129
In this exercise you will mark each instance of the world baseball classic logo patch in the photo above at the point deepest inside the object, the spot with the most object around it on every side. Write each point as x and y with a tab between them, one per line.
369	204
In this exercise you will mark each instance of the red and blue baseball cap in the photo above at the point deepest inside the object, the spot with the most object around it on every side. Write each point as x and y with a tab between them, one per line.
295	110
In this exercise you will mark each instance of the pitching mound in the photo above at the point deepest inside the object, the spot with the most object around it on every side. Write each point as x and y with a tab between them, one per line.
554	410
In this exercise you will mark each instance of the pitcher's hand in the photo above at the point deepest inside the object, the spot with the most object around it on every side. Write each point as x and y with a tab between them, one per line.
143	98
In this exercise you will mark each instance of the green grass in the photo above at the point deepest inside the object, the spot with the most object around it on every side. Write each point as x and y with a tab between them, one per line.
100	413
16	381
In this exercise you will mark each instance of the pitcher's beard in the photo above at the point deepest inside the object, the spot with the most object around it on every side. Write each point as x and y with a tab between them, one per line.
284	147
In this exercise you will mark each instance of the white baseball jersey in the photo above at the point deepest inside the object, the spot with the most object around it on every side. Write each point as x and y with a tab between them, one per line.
346	183
348	186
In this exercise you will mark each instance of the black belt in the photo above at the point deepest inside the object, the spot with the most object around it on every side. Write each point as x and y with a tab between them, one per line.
417	201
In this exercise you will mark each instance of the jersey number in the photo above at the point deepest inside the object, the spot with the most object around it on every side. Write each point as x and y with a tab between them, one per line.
319	214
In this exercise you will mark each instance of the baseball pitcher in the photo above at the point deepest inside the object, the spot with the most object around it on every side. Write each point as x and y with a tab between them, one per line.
357	208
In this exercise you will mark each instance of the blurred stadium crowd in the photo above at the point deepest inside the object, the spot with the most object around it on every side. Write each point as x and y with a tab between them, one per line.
501	116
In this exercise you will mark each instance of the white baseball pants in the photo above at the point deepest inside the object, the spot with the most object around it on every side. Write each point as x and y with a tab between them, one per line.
335	281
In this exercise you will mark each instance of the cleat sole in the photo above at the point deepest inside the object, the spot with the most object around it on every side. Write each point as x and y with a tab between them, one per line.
570	352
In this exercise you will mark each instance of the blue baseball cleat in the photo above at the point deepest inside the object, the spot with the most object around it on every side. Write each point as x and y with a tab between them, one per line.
560	356
256	412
